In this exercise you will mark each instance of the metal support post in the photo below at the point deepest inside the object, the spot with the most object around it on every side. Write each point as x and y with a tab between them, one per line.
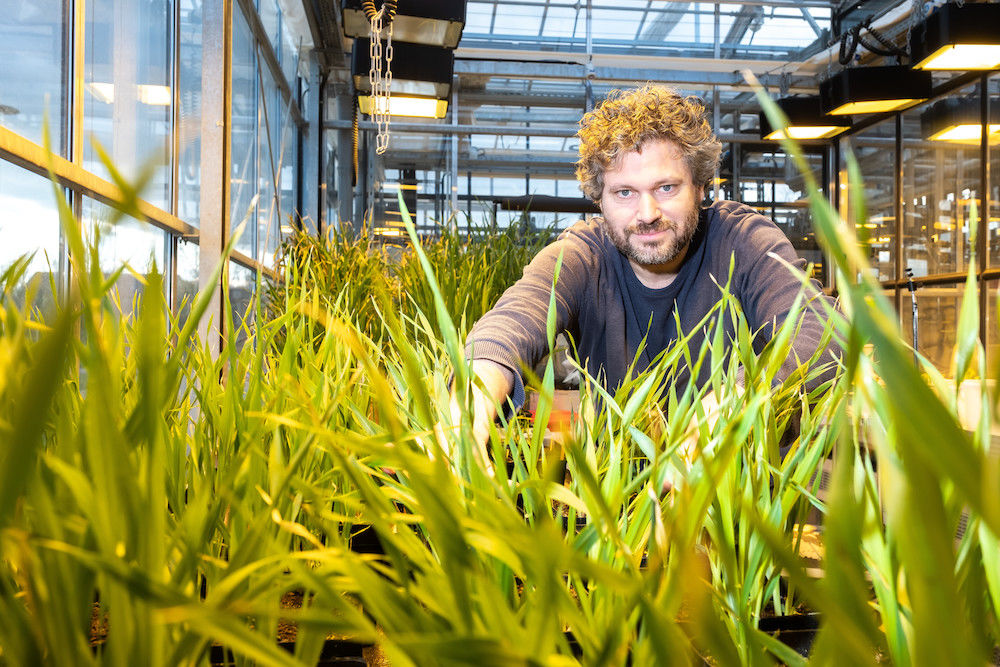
216	95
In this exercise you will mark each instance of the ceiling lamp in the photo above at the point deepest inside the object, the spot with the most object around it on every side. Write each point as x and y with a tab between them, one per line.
434	22
874	89
421	79
955	37
806	120
959	121
404	105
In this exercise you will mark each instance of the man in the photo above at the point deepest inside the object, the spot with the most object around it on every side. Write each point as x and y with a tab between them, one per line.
646	158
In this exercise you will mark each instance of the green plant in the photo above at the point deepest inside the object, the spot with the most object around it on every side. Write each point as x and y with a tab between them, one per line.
178	495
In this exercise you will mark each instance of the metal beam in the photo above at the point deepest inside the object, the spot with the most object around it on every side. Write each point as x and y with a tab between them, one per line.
642	21
449	129
17	150
811	21
566	117
569	48
748	16
478	96
714	73
455	129
664	22
794	4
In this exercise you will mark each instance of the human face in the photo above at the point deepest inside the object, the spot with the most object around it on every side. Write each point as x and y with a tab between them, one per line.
650	208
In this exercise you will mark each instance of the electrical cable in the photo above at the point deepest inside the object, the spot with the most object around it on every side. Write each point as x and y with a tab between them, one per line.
354	141
852	38
389	6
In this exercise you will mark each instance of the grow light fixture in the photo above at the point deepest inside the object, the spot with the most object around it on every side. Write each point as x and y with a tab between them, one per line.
405	105
958	121
806	120
874	89
421	79
955	37
432	22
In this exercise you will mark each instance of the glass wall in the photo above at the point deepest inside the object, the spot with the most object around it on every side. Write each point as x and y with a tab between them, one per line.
264	143
874	149
124	241
243	133
937	321
940	191
189	116
241	288
992	328
139	64
128	99
29	223
993	225
770	183
34	73
942	203
186	284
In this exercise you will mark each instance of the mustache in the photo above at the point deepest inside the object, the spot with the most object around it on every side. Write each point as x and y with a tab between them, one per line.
648	228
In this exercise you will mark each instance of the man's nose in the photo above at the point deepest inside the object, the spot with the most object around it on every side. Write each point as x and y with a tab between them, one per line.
648	208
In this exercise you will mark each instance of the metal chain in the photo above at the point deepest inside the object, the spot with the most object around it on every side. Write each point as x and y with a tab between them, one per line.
380	82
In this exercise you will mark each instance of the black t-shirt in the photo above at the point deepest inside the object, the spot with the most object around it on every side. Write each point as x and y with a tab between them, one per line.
653	310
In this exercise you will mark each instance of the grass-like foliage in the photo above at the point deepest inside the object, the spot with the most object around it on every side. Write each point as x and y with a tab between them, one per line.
172	497
348	269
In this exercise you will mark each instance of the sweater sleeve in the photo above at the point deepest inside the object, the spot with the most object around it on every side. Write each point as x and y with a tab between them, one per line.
767	289
513	332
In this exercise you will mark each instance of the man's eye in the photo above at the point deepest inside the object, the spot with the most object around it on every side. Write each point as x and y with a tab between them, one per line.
667	188
623	193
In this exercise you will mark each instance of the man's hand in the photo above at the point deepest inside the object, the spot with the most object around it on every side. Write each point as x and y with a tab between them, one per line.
491	385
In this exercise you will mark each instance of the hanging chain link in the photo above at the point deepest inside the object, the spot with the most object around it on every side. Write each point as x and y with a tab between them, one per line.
380	81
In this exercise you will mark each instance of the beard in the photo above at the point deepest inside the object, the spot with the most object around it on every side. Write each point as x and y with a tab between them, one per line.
662	251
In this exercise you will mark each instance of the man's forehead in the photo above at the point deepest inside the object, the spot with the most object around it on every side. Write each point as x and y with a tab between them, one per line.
670	151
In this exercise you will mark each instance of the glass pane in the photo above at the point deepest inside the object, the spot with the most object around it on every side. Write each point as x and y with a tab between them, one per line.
241	285
244	133
123	240
993	86
189	168
330	202
937	320
289	53
268	139
29	224
874	149
268	11
773	185
992	329
287	176
32	81
128	95
940	181
187	278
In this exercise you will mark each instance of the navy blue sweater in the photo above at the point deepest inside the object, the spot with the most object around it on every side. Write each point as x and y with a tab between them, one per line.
603	307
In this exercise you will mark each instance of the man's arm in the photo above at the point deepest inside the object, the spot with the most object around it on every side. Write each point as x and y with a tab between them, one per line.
491	385
514	333
767	290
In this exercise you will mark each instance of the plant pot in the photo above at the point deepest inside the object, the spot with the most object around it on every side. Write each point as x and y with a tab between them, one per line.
364	540
565	409
335	653
797	631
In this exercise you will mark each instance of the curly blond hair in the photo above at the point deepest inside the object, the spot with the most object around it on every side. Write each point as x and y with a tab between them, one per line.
627	120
